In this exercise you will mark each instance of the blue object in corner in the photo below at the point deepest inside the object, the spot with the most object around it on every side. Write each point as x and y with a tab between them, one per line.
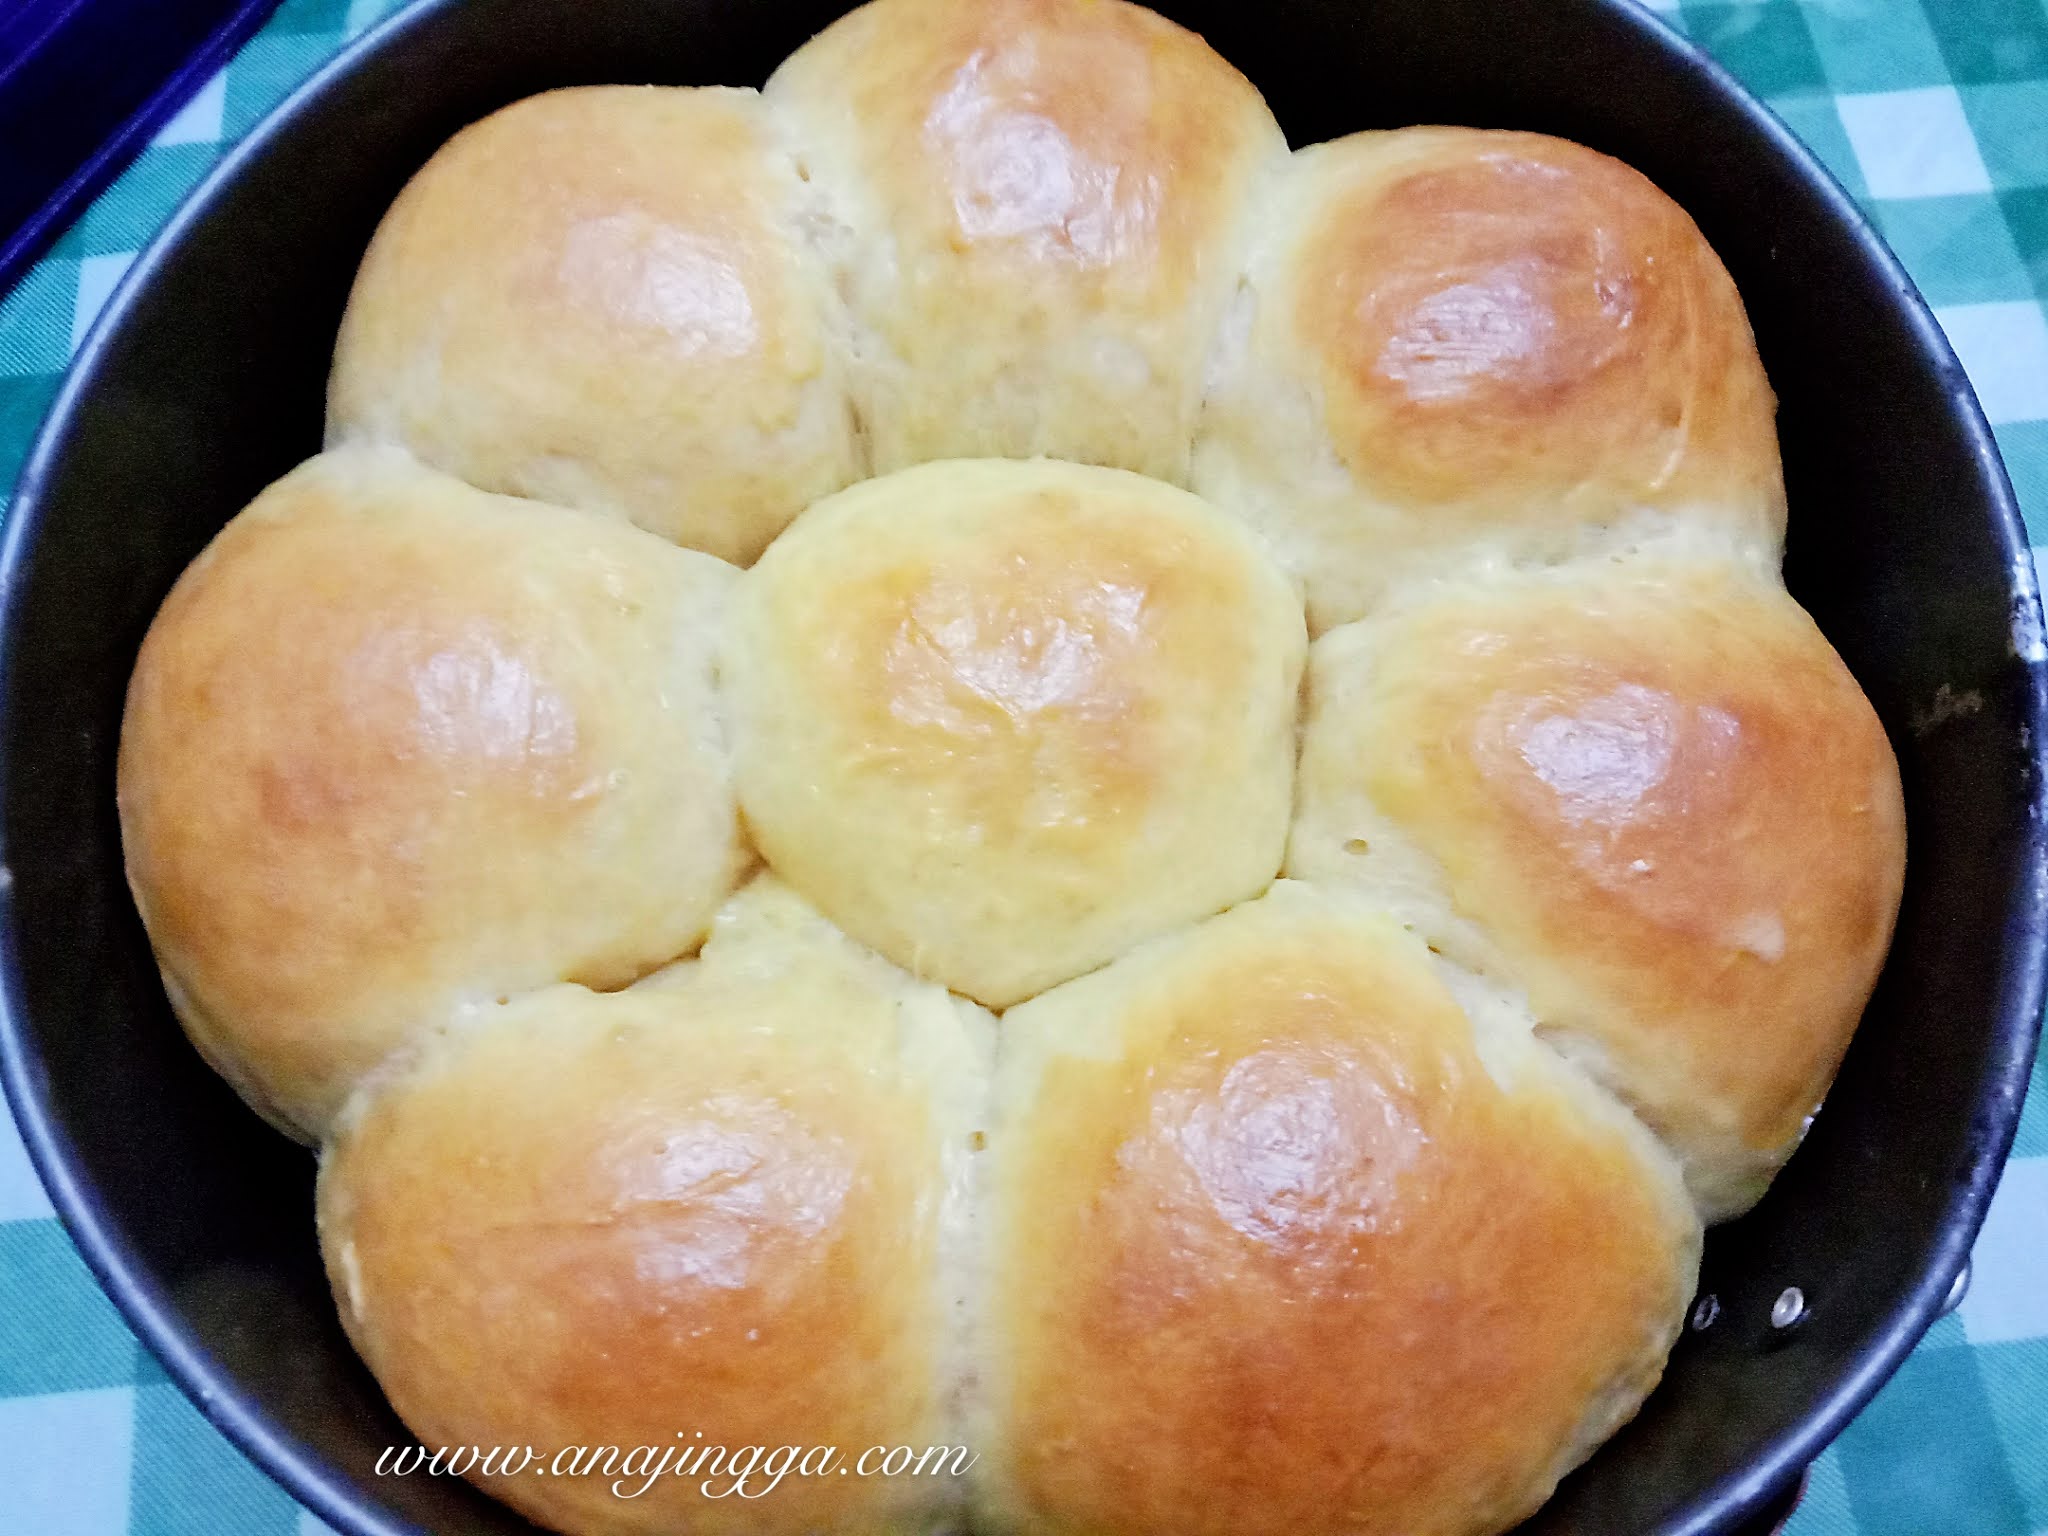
83	85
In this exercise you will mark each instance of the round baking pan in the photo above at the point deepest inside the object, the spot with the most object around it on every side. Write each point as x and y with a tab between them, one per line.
204	381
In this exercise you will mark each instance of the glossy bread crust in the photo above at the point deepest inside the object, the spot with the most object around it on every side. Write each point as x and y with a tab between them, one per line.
1387	1008
1284	1241
597	297
1004	720
716	1209
1655	800
1451	338
1035	206
394	746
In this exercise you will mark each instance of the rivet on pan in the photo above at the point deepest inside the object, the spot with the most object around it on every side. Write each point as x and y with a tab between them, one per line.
1789	1309
1958	1290
1705	1312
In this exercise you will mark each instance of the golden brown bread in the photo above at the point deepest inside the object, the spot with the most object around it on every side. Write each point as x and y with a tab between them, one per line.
1650	795
721	1203
1282	1223
597	297
1003	720
1448	339
1283	1242
394	746
1032	207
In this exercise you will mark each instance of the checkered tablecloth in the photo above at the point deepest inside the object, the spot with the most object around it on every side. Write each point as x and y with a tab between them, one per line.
1934	113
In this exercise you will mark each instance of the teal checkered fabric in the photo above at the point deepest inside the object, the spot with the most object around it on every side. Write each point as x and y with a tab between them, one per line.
1934	113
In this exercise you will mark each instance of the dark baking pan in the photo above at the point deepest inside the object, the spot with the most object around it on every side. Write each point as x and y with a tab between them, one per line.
204	381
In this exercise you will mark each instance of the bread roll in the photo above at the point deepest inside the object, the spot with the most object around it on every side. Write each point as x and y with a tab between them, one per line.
1003	720
1450	338
394	746
1655	800
596	297
1285	1242
1374	1050
716	1211
1033	209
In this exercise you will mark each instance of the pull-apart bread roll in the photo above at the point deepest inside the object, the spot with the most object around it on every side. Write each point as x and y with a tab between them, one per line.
724	1208
1037	207
1448	338
1302	633
394	745
1654	799
597	297
1283	1241
1003	720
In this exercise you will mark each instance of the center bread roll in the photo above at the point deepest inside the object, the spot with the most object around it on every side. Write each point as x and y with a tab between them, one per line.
1033	209
1284	1241
1004	720
724	1208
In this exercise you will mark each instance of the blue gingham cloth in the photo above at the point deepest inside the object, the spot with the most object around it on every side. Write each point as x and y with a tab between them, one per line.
1934	113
